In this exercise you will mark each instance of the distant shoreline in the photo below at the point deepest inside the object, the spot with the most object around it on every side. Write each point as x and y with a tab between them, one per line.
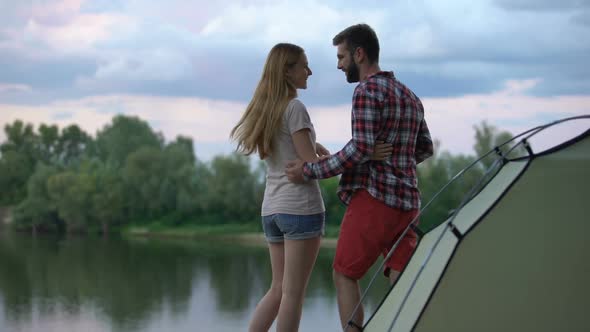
244	234
250	238
259	240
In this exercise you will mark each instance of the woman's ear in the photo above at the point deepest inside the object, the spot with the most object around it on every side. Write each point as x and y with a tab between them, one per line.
288	72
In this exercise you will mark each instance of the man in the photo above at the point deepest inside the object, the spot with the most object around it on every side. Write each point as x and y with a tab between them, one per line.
382	196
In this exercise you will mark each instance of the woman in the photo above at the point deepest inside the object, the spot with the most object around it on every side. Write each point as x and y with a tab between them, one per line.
277	126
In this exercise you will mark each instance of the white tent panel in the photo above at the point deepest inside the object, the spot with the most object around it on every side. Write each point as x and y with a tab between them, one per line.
488	195
418	295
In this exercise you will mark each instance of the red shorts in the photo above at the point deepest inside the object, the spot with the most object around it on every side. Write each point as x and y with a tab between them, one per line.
371	228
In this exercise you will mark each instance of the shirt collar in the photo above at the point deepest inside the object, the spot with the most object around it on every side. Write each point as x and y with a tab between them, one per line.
388	74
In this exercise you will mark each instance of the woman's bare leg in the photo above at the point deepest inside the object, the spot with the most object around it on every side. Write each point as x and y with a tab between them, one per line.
300	257
268	307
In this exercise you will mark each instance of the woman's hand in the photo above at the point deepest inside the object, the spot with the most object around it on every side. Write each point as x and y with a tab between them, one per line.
382	151
321	151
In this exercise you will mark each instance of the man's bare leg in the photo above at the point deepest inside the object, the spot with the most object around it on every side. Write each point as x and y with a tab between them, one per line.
348	294
393	275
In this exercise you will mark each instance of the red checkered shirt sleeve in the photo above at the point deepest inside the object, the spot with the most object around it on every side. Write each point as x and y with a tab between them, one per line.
424	148
367	101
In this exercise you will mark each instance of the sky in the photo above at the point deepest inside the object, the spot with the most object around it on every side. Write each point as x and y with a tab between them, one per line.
190	67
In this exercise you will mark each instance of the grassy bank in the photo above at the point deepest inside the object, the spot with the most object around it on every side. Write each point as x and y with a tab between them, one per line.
250	233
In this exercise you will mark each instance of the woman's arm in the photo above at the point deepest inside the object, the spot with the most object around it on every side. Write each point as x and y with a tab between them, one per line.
321	150
304	145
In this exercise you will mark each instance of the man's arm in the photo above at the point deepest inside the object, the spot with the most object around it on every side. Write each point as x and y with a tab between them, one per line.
424	148
366	117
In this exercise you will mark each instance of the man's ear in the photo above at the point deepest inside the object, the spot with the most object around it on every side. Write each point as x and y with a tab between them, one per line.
359	55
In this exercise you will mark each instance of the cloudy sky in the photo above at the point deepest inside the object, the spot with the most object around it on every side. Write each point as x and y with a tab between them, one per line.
189	67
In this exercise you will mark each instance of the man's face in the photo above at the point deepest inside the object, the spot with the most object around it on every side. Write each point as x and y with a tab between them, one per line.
346	63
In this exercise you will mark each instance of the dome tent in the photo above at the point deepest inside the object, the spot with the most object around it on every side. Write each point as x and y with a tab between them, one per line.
513	257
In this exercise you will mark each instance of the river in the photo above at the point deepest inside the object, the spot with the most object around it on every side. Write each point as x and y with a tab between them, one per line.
57	283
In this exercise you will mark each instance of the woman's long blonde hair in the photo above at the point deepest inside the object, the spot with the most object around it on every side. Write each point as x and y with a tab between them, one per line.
264	114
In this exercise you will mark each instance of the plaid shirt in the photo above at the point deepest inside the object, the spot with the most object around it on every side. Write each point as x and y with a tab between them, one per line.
382	109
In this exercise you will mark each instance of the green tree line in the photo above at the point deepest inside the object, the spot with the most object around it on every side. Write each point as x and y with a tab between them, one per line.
65	180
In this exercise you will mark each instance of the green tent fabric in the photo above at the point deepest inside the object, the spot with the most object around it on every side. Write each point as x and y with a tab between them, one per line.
514	257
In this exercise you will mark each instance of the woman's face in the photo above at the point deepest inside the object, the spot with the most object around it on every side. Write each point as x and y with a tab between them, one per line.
299	72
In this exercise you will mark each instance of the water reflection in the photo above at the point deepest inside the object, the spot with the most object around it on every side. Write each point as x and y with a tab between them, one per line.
77	283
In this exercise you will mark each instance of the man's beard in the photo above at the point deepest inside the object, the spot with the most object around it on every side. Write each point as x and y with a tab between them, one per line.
352	73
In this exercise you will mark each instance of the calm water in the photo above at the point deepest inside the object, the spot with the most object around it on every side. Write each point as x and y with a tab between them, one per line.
61	284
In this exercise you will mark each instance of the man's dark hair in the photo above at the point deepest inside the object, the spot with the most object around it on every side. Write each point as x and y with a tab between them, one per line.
359	35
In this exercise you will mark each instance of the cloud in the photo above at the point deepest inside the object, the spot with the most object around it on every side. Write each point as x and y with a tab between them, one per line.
510	109
298	22
81	34
58	28
452	119
72	49
582	18
55	11
157	64
19	88
209	121
198	118
542	5
50	12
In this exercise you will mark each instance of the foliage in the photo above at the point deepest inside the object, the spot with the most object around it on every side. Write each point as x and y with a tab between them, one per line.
128	175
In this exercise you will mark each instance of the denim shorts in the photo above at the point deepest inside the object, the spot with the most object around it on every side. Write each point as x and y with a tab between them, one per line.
281	226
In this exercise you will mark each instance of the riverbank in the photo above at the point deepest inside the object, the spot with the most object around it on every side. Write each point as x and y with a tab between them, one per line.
248	234
5	216
245	234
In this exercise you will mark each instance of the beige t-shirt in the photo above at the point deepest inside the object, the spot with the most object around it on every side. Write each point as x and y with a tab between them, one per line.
280	195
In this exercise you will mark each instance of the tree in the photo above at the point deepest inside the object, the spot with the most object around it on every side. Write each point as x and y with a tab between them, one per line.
108	198
19	138
115	142
437	171
18	158
15	170
488	137
235	194
181	190
433	175
72	193
144	175
38	210
47	143
334	206
73	144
